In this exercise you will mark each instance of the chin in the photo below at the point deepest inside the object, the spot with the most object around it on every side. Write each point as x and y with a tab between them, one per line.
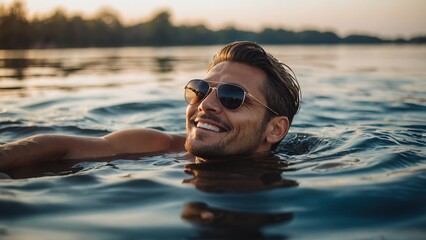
206	150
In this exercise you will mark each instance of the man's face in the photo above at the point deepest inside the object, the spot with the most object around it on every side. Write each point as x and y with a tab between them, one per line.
213	130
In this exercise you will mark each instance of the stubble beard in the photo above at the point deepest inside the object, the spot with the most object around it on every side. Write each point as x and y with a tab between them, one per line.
243	144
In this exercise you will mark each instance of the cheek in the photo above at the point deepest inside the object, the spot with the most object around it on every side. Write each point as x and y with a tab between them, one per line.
246	122
190	111
240	122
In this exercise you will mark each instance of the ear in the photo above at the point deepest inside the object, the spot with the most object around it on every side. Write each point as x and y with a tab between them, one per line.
277	129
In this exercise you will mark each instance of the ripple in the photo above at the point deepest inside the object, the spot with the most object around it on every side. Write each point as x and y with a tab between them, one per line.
405	107
333	166
21	131
131	108
398	159
299	144
17	132
48	103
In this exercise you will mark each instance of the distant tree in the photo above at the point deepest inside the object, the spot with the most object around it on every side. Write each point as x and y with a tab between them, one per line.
105	30
358	39
54	30
15	31
276	36
231	34
157	32
194	35
316	37
420	39
80	32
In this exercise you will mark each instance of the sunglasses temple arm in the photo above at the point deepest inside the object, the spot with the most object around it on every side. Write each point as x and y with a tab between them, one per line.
257	100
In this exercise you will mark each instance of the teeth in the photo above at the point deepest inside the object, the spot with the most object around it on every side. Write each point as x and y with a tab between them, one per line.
208	127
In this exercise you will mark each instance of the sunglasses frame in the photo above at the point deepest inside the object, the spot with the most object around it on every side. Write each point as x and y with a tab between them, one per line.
233	84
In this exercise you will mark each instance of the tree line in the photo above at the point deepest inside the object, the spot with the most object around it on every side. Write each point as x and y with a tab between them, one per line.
105	29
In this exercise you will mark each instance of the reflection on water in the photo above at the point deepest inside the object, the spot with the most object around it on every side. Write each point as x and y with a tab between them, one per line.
27	64
237	175
24	68
165	64
226	224
253	174
17	67
25	72
352	167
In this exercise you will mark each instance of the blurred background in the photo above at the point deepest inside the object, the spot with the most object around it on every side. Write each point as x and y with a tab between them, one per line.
61	24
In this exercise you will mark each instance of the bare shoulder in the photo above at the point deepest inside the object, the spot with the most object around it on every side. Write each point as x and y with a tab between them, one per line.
144	140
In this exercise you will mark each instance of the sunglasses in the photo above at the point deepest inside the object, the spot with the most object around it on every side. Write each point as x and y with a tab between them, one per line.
231	96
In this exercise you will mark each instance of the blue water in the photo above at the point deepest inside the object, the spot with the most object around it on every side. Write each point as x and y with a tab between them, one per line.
352	167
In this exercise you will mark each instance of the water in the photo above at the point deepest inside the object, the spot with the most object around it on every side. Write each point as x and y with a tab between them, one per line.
352	167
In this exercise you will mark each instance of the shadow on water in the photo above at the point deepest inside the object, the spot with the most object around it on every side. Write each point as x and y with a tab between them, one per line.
238	175
217	223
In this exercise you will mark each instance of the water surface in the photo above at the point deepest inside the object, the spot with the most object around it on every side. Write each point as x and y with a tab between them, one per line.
352	167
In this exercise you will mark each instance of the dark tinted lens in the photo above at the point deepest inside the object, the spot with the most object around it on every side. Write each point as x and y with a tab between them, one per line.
230	96
195	91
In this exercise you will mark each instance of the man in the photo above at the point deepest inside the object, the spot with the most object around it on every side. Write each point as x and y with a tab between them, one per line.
244	105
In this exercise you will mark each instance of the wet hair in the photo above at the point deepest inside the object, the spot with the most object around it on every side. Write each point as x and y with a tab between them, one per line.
282	90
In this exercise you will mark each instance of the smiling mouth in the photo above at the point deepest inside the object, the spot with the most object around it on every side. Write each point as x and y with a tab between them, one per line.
210	123
207	126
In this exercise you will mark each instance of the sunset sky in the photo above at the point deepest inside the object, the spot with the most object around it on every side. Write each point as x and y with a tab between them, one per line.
385	18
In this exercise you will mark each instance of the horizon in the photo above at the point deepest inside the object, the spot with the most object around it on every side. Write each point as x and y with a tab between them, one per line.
381	18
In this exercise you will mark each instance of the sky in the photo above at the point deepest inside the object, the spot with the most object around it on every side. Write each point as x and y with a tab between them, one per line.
383	18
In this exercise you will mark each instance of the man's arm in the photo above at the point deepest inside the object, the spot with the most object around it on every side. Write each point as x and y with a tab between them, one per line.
55	147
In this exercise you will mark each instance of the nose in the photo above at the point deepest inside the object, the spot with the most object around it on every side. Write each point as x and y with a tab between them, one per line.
210	103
